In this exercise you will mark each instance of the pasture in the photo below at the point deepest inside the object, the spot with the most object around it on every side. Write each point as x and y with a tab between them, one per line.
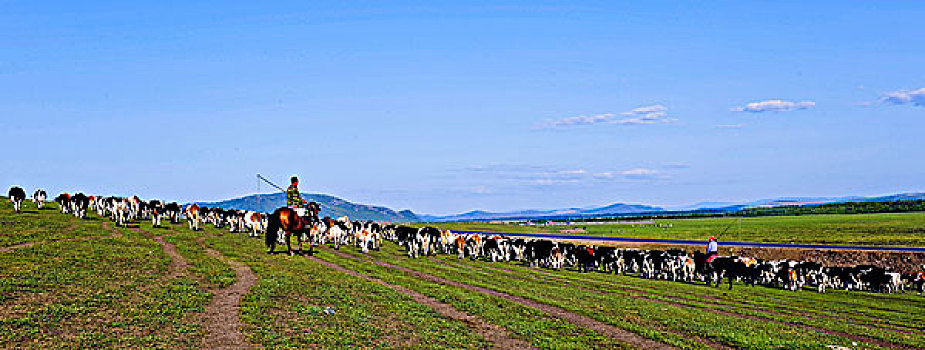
884	229
71	283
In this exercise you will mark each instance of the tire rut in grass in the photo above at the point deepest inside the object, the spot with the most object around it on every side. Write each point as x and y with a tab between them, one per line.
221	321
616	333
855	337
178	264
491	332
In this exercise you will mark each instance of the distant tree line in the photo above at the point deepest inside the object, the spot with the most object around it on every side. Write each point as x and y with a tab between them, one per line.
837	208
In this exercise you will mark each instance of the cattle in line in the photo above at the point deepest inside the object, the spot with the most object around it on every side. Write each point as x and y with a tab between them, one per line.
256	222
17	195
39	197
63	200
156	211
192	216
79	204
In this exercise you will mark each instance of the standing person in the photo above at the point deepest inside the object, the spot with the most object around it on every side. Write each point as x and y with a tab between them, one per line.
712	249
294	198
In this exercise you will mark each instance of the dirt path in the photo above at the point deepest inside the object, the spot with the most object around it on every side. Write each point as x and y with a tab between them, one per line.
221	321
498	337
178	264
580	320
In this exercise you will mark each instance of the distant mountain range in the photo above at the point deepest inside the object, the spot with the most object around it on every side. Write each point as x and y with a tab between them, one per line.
336	207
330	206
612	209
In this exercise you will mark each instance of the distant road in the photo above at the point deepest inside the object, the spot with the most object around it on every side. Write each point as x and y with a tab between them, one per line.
691	242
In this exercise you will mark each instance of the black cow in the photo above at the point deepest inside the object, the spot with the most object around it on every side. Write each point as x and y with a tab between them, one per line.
79	203
608	259
17	195
173	211
584	258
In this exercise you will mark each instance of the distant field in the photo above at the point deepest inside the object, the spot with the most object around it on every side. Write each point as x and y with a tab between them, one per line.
69	283
893	229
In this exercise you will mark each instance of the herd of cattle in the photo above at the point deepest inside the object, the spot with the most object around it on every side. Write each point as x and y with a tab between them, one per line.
126	210
672	264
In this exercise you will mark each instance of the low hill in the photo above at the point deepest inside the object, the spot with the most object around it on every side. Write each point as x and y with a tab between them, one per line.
612	209
330	206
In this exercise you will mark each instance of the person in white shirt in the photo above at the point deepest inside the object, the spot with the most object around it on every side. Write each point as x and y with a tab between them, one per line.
712	248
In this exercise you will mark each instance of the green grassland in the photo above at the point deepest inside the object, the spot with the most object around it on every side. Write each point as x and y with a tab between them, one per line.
886	229
87	284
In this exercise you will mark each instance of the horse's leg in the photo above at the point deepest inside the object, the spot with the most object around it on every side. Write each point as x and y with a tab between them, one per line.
299	238
288	246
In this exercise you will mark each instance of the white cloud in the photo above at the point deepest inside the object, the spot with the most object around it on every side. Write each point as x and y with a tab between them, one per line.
730	126
641	173
640	116
604	175
902	97
573	172
774	106
480	190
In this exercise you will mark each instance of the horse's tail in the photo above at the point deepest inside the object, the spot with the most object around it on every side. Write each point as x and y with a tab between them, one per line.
273	226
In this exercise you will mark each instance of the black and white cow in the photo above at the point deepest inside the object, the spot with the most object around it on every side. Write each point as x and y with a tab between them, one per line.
79	203
156	211
39	198
63	201
17	195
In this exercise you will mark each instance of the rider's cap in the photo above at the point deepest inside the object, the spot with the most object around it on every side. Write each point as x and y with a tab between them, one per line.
712	238
293	179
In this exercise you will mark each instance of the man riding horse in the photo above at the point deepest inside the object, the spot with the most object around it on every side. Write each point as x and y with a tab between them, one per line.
292	219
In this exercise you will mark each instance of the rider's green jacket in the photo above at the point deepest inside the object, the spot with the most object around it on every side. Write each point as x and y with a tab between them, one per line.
293	198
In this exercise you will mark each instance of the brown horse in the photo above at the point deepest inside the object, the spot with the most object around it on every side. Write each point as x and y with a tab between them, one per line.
289	222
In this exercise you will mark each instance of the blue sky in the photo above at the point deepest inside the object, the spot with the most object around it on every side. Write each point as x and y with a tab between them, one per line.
449	107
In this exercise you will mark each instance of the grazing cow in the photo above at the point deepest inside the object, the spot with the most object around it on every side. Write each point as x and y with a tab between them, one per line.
584	258
254	221
492	248
79	204
608	259
336	230
17	195
474	246
173	211
460	246
157	212
39	198
407	236
63	200
192	216
517	249
428	238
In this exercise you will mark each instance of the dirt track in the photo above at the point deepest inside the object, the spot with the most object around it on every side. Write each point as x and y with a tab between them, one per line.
221	322
580	320
493	333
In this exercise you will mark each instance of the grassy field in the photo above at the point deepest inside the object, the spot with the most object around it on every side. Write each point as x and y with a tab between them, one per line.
67	283
893	229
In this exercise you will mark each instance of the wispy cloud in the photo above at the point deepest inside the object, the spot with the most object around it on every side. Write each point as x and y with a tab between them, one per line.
677	165
640	116
904	97
531	175
642	174
774	106
729	126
